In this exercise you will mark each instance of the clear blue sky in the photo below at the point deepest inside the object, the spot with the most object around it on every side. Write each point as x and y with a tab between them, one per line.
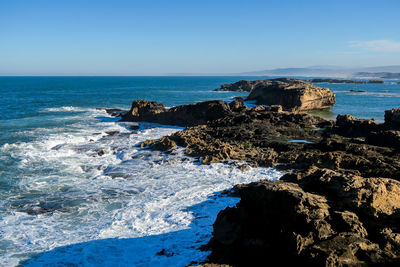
149	37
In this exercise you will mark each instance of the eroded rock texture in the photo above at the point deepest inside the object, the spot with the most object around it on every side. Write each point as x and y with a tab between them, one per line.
339	204
314	218
293	95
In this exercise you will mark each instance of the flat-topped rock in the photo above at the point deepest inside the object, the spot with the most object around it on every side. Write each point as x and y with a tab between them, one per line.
185	115
292	94
240	86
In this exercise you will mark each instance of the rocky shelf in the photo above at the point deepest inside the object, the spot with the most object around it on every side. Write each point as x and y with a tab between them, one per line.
338	204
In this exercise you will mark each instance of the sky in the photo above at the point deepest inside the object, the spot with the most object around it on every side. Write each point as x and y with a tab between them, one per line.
148	37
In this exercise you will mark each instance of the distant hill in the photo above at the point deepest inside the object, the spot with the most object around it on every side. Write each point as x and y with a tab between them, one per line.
327	71
382	75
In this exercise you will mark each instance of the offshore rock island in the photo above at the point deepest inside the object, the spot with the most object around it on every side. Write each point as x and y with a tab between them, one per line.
338	204
291	94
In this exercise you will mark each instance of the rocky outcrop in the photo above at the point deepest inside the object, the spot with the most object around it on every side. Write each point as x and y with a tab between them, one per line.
341	205
392	118
240	86
263	137
313	218
293	95
185	115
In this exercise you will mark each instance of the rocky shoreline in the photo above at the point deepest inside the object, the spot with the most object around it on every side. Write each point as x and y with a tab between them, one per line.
338	204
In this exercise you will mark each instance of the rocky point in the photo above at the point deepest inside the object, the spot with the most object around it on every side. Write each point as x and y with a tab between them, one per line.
338	204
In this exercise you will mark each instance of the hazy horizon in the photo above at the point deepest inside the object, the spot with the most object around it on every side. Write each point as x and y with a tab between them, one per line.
135	38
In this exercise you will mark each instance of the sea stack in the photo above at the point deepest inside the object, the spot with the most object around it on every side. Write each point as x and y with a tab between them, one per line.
292	94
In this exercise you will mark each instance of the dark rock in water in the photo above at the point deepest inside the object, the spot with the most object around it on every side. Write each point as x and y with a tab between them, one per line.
291	94
312	218
165	252
357	91
112	133
185	115
330	80
57	147
134	127
115	112
375	81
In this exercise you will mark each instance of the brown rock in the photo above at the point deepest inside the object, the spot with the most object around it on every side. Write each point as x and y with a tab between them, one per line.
314	218
291	94
240	86
184	115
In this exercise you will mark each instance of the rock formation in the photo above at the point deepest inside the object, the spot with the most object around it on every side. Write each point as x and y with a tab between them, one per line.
185	115
240	86
293	95
392	118
339	203
314	218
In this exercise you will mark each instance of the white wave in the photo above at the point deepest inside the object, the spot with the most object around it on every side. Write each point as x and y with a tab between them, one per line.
66	109
91	183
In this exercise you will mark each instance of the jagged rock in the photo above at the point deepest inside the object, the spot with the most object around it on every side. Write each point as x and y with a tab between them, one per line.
392	118
261	137
184	115
314	218
348	125
240	86
116	112
333	211
291	94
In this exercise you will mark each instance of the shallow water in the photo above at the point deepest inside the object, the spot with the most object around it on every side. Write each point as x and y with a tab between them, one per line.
75	189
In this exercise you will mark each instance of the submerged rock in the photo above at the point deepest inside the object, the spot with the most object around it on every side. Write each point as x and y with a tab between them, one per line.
293	95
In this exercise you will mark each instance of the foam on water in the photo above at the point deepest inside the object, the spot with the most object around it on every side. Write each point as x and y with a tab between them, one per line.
87	195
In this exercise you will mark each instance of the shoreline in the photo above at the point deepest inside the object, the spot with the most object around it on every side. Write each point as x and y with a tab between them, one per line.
347	148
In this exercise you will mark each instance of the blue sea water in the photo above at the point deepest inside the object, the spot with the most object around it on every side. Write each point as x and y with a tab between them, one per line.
75	190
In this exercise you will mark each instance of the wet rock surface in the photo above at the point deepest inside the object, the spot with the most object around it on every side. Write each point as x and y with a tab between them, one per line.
338	205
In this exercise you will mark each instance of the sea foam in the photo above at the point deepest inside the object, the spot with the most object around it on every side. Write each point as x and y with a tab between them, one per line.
88	195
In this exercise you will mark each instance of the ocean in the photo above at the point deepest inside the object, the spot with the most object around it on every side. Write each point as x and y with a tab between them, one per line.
76	190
